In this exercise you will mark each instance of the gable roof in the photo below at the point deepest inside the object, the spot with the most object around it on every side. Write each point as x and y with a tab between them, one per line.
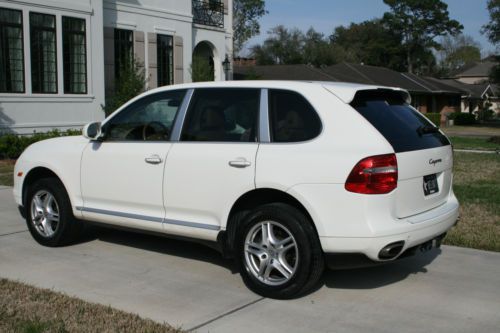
283	72
476	69
348	72
477	91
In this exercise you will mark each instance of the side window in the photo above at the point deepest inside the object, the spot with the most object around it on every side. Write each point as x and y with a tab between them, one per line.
222	115
292	118
149	119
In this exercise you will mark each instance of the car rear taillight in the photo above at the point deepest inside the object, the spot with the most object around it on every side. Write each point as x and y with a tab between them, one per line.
374	175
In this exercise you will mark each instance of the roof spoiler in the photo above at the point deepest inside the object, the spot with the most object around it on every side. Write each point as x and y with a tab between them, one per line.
347	94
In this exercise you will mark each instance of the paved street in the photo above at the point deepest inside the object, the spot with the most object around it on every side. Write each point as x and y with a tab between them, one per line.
190	286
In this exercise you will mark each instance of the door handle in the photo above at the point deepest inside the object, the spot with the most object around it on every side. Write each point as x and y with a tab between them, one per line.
240	163
153	159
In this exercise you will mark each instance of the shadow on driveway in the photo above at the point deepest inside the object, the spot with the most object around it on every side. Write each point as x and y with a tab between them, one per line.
361	278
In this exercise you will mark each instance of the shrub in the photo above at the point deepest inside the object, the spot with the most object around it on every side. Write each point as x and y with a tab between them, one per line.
131	83
435	118
465	119
11	145
201	70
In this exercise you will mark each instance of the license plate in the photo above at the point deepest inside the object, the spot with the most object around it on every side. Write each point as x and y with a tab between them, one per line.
430	184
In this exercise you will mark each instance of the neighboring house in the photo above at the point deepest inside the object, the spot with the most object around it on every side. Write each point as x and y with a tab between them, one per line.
428	94
59	58
474	79
474	73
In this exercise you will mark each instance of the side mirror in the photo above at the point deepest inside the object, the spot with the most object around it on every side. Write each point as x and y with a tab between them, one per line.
92	131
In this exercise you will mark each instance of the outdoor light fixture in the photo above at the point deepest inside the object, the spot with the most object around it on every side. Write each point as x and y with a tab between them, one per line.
226	64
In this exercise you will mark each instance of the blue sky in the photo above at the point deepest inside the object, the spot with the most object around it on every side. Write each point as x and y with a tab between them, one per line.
325	15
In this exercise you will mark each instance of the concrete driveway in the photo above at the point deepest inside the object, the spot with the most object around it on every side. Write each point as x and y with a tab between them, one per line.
190	286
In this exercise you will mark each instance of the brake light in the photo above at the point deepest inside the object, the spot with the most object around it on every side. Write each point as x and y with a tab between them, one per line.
374	175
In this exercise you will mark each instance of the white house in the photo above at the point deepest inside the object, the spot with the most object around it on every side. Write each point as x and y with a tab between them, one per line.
59	58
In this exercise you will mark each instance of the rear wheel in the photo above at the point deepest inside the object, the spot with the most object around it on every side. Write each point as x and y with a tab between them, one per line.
49	214
279	252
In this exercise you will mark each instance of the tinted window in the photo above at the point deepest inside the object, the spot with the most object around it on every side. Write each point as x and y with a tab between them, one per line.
292	118
222	115
397	121
149	119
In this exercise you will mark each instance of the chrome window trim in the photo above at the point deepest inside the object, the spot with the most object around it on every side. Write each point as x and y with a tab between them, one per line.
264	130
181	115
149	218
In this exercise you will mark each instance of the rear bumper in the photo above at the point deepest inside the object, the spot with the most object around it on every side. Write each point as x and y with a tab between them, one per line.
416	230
339	261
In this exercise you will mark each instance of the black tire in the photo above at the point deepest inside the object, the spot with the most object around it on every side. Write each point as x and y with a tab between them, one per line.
310	262
68	228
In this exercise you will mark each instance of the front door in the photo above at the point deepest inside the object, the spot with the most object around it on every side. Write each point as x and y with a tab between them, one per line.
122	176
214	161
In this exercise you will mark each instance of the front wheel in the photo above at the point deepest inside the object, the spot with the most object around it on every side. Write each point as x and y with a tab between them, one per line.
49	214
279	252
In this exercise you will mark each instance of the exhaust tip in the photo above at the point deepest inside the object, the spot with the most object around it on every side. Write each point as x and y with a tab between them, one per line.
391	250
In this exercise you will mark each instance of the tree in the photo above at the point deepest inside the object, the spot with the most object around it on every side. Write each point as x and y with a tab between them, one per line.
455	52
492	29
317	50
131	83
245	21
282	47
419	22
291	46
371	43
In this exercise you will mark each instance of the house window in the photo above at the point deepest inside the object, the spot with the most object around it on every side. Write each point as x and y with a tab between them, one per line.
165	53
124	50
11	51
43	53
74	56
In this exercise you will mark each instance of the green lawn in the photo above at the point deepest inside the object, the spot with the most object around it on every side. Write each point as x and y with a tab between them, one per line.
6	172
460	142
477	186
27	309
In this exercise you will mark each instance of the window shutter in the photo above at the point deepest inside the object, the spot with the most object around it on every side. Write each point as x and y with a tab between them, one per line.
178	60
152	61
109	60
139	51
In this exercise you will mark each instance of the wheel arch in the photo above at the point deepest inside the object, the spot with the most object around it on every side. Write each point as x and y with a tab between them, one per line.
37	173
251	200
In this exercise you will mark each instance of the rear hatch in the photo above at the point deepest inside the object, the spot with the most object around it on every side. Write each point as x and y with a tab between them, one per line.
424	154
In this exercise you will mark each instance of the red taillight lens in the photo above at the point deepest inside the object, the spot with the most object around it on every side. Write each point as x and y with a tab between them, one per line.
374	175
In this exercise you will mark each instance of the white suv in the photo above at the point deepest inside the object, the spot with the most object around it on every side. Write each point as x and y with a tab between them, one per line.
282	176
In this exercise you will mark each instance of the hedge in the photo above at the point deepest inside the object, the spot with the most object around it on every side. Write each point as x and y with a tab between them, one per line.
465	119
435	118
11	145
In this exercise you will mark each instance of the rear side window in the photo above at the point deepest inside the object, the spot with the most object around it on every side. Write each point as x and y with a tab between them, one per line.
222	115
402	126
292	118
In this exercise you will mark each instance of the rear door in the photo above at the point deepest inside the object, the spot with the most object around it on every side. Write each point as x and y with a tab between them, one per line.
424	154
214	161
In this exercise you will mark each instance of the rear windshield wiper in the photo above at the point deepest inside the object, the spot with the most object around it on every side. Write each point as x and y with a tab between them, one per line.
421	130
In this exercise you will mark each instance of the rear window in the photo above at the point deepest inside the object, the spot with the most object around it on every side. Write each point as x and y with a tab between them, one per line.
397	121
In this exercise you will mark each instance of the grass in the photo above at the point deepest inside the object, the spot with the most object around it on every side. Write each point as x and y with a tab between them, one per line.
471	130
6	172
477	187
460	142
27	309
